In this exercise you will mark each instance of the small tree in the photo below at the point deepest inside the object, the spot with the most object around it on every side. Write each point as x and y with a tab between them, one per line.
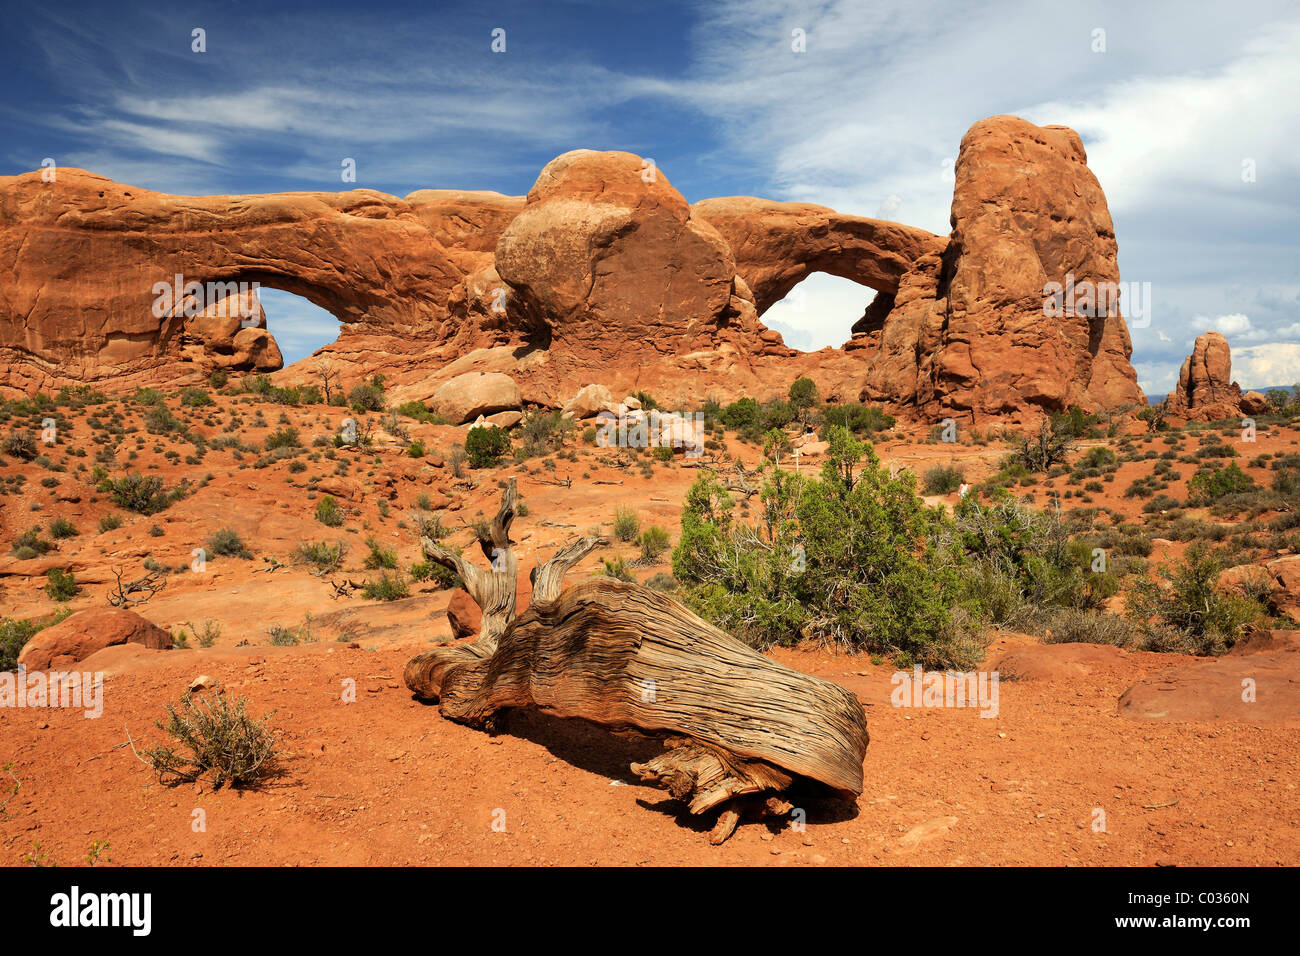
485	445
804	397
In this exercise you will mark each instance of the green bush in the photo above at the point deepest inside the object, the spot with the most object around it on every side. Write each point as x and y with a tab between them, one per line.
849	557
61	528
15	633
226	542
859	419
626	524
283	438
389	586
1186	600
941	480
110	522
485	445
368	396
61	585
325	556
30	544
195	398
653	541
328	512
142	494
380	556
1211	484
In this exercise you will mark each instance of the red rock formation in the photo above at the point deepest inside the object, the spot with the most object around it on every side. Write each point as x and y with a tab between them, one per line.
86	632
969	326
1206	391
603	273
777	245
85	254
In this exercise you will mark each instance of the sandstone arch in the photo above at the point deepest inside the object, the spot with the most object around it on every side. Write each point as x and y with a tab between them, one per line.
776	245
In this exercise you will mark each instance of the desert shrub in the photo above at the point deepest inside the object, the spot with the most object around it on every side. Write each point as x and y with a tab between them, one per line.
1034	551
616	567
218	378
368	396
20	445
421	413
328	512
663	453
664	583
1211	484
1184	598
380	556
1049	445
110	522
212	736
1075	626
626	524
61	528
30	544
415	449
282	438
325	557
228	543
15	633
744	415
543	432
195	398
485	445
61	585
653	541
1074	422
160	421
859	419
849	557
142	494
207	632
941	480
389	586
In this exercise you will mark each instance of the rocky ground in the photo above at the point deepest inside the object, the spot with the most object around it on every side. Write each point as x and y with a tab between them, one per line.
1181	771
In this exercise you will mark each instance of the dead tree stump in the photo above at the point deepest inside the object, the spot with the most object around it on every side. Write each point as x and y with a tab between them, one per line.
739	729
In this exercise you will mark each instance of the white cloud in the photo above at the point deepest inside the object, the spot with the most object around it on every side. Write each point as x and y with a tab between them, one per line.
1259	366
1229	325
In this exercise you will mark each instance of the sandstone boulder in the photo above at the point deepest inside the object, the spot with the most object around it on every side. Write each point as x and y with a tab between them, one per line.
89	631
467	396
590	400
1253	403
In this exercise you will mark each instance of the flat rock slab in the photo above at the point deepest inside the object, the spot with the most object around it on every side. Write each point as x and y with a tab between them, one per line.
1219	690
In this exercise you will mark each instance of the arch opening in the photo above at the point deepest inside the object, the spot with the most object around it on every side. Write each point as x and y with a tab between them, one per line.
298	325
823	309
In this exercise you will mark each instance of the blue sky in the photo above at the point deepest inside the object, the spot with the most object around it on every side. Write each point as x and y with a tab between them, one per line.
866	120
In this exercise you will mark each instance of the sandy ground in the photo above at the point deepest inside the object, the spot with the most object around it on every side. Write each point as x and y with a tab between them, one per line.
1062	775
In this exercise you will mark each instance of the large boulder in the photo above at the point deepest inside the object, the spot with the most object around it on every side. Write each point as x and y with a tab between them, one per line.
607	259
468	396
1206	391
86	632
590	400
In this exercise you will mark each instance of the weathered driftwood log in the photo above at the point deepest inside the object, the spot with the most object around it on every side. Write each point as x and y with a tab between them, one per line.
739	728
